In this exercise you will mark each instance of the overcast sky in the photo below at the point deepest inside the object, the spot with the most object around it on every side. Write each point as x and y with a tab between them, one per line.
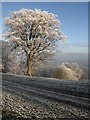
73	17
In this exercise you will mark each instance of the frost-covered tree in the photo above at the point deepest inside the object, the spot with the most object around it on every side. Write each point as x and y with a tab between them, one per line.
5	56
1	65
35	31
71	71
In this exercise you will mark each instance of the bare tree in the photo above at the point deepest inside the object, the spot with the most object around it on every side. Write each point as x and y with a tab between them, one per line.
35	31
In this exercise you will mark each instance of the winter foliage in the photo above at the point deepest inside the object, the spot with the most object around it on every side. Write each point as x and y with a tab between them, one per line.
15	62
32	35
35	32
70	71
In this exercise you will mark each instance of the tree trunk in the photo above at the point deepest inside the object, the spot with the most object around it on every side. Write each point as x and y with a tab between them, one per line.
29	65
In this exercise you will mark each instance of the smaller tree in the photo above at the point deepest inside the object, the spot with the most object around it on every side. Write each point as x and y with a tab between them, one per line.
10	61
5	56
1	66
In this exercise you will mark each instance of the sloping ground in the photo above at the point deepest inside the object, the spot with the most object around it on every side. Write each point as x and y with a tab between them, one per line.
16	107
77	88
32	97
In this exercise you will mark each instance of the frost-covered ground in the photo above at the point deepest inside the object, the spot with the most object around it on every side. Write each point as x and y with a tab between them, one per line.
77	87
15	104
18	107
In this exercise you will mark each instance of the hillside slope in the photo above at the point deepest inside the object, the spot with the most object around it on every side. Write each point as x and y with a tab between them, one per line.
33	97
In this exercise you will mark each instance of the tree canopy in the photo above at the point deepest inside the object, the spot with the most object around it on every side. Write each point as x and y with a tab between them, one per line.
35	31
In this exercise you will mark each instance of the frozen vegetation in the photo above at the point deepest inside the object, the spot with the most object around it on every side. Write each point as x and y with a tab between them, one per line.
32	37
15	107
16	64
80	87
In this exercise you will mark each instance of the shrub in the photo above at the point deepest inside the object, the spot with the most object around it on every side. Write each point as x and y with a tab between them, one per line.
68	71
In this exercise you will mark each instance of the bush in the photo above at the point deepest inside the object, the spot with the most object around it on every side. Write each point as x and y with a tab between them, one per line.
68	71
